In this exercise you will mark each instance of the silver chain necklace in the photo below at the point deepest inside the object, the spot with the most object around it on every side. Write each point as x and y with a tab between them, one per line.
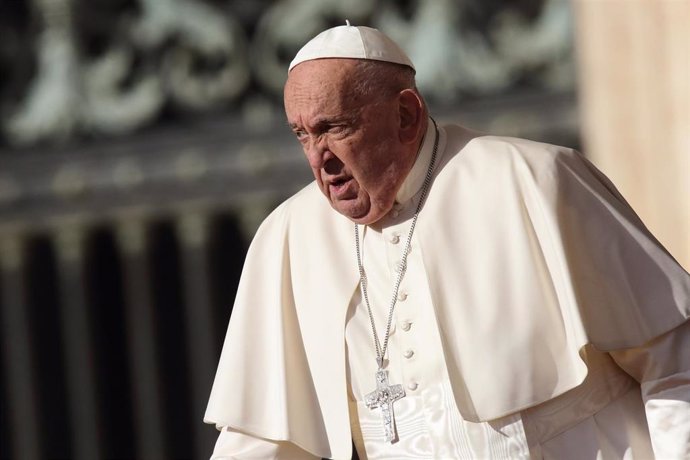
385	394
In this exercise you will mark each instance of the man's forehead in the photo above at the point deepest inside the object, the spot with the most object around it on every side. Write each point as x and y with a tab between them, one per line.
319	77
311	102
319	108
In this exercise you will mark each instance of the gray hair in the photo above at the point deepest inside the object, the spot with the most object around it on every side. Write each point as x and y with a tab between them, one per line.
377	78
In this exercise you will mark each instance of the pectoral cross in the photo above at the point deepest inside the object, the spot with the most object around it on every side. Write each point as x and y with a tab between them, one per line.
383	397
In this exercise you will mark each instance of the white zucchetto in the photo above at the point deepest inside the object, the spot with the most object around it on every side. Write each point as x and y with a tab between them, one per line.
354	42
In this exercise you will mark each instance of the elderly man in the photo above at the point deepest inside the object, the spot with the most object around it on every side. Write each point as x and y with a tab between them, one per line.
456	295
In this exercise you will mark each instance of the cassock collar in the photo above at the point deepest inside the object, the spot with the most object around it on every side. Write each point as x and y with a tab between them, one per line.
414	180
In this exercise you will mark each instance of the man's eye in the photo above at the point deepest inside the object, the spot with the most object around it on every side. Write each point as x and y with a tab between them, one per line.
300	134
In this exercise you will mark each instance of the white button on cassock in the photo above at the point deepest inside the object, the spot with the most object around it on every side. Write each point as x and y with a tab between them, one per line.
399	266
395	238
412	386
408	354
406	325
402	295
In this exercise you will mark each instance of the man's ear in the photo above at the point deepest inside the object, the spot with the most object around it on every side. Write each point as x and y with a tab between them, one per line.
411	110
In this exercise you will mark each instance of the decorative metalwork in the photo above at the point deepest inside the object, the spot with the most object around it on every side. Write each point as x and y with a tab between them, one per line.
113	69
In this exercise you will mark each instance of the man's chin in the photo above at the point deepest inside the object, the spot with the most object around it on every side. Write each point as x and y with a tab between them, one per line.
358	215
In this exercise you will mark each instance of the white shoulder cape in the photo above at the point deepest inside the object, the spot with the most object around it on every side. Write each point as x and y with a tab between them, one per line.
530	253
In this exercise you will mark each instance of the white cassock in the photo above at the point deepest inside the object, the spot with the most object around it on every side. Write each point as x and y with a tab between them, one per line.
537	318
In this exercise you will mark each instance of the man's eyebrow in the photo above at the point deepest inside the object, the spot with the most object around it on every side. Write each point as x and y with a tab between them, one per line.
324	122
335	120
320	123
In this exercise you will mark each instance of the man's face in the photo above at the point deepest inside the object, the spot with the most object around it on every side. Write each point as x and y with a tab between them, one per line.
352	145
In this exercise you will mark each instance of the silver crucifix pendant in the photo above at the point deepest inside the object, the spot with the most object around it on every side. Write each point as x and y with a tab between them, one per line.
383	397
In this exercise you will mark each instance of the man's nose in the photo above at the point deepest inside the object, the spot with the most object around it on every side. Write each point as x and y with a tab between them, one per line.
318	153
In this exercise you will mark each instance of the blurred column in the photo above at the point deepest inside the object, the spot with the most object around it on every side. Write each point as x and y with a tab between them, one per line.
78	346
141	333
634	65
16	348
192	231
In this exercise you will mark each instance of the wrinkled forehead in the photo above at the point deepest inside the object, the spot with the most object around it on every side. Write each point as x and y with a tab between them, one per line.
321	80
325	72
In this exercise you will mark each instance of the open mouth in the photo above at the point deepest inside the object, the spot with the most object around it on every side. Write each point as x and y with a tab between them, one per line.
339	182
340	187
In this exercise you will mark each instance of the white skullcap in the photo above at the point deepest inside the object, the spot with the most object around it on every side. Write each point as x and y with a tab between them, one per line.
355	42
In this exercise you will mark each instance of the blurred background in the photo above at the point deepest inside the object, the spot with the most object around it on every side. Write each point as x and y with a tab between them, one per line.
143	141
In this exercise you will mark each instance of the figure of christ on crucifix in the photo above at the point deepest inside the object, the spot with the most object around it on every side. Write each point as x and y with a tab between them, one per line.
384	396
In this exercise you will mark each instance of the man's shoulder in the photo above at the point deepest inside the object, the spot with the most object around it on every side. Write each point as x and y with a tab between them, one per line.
512	148
493	152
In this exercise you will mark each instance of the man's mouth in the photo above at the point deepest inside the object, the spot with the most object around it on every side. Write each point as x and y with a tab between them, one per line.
340	188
